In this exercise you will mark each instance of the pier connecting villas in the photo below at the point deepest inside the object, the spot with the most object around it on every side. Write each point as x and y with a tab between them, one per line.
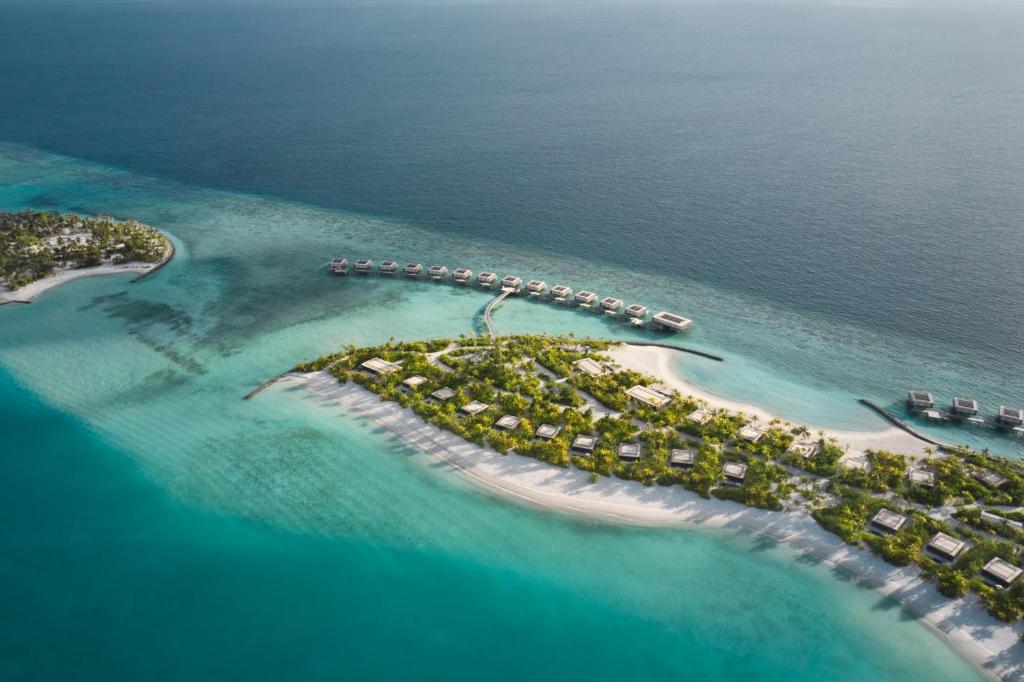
967	412
635	314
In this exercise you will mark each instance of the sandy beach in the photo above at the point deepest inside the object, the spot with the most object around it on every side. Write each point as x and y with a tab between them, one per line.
31	292
657	362
992	645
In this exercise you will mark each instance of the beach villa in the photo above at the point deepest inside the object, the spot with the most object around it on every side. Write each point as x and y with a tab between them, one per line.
887	522
805	449
701	415
590	367
999	573
379	367
750	433
414	382
942	547
442	394
583	445
922	477
508	422
474	407
646	396
629	452
548	431
735	473
680	459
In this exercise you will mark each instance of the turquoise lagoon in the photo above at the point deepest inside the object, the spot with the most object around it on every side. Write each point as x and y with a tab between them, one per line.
159	527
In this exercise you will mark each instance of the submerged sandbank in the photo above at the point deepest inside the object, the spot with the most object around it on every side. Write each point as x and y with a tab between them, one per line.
992	645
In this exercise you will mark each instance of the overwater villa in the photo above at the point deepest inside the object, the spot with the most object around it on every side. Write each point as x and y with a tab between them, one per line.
667	321
462	275
442	394
1010	416
339	266
611	305
474	407
388	267
486	279
513	282
413	269
735	473
536	287
965	407
999	573
561	293
508	422
585	299
583	445
548	431
887	522
920	400
751	433
990	479
945	548
922	477
637	314
804	448
591	367
701	415
437	272
414	382
644	395
379	367
364	266
629	452
680	459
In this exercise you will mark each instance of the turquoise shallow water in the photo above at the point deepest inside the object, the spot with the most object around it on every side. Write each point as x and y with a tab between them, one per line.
159	527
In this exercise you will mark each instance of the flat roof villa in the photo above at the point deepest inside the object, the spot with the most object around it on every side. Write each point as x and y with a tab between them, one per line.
648	397
560	292
944	547
583	445
965	407
671	322
990	479
933	416
514	282
999	573
437	271
734	472
415	381
339	266
701	415
920	400
388	267
364	266
585	298
380	367
750	433
680	459
548	431
474	407
462	275
1010	416
486	279
413	269
591	367
922	477
442	394
508	422
611	305
636	311
804	448
536	287
887	521
629	452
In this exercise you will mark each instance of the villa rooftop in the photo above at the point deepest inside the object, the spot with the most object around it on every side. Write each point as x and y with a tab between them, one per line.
415	381
591	367
920	400
508	422
378	366
474	407
413	269
999	572
1011	416
990	479
922	477
511	282
583	445
486	278
751	433
805	449
442	394
671	321
536	286
965	406
681	459
734	472
462	274
438	271
548	431
701	415
648	397
629	451
945	546
585	297
636	311
887	521
561	291
611	304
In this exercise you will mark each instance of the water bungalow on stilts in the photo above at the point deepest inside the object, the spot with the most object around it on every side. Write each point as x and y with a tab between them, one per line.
486	280
339	266
388	267
667	321
513	282
561	293
611	305
536	287
364	266
437	272
585	299
413	269
462	276
637	314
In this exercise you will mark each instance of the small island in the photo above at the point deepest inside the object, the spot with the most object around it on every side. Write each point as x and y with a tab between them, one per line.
582	404
39	250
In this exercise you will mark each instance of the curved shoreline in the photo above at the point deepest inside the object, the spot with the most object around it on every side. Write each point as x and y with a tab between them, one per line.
31	292
991	645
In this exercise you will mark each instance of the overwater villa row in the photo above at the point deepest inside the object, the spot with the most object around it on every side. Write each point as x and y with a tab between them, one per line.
634	314
966	411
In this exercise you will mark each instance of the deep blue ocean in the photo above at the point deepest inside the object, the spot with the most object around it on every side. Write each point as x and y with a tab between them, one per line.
833	191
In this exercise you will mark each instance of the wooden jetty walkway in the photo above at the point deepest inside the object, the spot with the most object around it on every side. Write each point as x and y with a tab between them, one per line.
505	293
899	423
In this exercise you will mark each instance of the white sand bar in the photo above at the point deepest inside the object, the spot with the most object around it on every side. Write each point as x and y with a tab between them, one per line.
993	645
